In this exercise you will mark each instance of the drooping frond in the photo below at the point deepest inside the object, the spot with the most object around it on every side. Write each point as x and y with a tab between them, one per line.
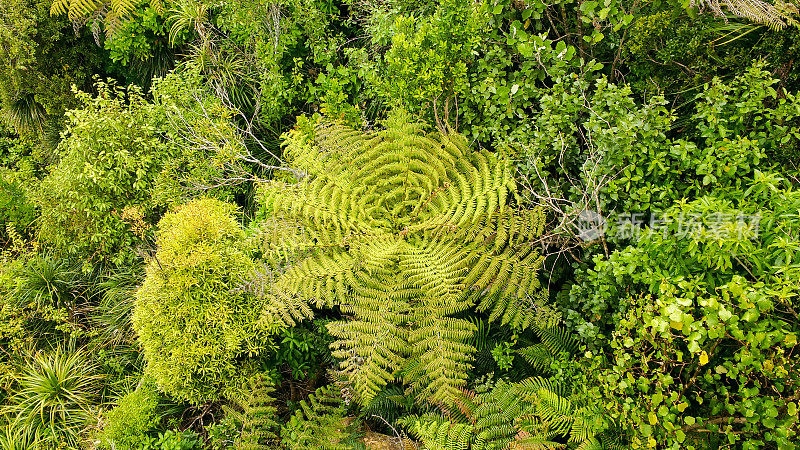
255	416
319	424
536	413
775	15
443	436
402	230
112	13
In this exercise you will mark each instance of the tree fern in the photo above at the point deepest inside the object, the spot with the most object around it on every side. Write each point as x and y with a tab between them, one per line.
402	230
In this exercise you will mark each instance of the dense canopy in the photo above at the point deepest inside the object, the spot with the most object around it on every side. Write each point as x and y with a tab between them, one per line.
396	224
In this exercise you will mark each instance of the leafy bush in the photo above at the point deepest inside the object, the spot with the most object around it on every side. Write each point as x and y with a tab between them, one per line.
701	323
96	202
199	333
133	419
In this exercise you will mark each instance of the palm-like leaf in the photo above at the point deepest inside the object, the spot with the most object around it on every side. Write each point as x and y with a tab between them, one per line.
25	114
54	397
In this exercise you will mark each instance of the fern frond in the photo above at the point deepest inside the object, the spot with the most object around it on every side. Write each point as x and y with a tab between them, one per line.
113	13
557	339
255	415
401	229
776	16
320	423
538	356
442	356
443	436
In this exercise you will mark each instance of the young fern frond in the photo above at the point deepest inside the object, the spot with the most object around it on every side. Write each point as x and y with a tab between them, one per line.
402	230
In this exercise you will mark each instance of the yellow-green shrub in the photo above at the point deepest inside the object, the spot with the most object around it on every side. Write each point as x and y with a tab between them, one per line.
198	332
133	419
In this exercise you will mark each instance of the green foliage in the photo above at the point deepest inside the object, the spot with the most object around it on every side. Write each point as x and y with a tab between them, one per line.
775	15
302	350
419	252
15	439
96	202
41	299
54	399
444	436
39	62
254	417
555	342
534	413
174	440
719	325
134	40
670	51
402	230
320	423
427	61
47	282
199	334
15	210
112	13
135	416
113	313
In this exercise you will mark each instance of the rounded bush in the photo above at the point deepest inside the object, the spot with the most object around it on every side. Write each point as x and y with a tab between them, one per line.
198	331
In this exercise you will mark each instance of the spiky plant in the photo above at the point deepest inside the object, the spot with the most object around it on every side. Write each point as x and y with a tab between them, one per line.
54	399
402	230
49	281
24	114
15	439
113	314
